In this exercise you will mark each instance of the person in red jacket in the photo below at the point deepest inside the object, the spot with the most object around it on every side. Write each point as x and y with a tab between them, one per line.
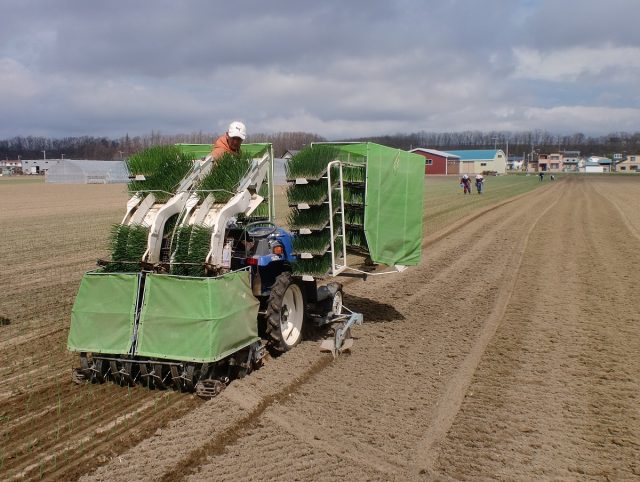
230	141
465	183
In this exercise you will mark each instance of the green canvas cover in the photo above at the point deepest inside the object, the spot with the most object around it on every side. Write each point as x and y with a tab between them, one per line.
394	202
103	313
203	150
197	319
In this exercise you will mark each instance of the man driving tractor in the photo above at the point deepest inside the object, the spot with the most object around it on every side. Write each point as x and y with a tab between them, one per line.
230	141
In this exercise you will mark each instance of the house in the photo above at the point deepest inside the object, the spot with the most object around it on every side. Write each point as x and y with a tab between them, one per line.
11	163
592	166
289	154
85	171
550	162
630	164
37	166
515	163
438	162
478	161
8	167
570	161
604	162
564	161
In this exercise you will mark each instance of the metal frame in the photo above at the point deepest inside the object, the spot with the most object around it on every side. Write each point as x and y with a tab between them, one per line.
336	268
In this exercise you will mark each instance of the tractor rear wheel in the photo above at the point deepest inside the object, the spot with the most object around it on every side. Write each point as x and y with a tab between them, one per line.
285	313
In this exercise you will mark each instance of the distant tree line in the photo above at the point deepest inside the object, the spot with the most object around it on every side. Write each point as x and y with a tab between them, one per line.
518	143
87	147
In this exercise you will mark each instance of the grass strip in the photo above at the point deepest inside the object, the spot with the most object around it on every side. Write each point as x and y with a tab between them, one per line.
354	174
314	243
317	266
310	162
354	195
163	168
181	250
312	194
128	244
192	245
225	176
316	217
356	238
354	217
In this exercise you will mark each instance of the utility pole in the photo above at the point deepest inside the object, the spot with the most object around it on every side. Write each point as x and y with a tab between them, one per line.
532	151
507	153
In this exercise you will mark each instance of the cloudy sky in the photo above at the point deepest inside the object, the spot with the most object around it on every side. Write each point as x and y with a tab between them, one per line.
337	68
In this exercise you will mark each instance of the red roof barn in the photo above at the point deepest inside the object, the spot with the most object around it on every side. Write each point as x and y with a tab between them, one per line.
438	162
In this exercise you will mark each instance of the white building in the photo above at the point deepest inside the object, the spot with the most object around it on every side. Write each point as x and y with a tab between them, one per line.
74	171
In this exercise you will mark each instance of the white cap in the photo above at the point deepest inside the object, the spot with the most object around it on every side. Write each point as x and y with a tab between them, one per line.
237	129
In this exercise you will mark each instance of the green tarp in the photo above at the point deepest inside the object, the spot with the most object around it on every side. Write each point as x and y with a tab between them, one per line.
189	319
103	313
394	202
197	319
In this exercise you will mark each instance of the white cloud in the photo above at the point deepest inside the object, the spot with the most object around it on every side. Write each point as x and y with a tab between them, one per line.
570	64
18	83
584	118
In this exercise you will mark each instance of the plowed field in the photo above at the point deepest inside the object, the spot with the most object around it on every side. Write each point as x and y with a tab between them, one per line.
512	352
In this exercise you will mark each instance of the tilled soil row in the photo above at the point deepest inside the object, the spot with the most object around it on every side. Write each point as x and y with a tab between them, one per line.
556	395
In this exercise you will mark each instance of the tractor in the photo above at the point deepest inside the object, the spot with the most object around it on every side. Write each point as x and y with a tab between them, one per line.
202	284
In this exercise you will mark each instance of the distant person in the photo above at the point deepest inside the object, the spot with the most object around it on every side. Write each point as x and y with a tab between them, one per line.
552	177
230	141
465	183
479	183
541	175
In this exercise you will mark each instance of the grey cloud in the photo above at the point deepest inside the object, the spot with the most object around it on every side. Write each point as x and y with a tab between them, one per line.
73	67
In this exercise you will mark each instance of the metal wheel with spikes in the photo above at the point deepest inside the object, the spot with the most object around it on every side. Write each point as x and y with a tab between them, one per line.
158	374
127	375
115	373
145	376
176	381
99	370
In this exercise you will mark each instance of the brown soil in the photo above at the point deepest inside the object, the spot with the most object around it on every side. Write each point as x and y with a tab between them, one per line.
511	352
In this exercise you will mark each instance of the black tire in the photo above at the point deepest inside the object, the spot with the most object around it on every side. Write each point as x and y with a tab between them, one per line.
285	313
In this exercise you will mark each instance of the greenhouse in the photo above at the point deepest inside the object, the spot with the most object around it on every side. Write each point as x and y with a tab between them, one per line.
75	171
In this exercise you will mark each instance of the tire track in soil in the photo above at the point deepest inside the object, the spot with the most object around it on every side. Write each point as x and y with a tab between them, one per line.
149	473
633	229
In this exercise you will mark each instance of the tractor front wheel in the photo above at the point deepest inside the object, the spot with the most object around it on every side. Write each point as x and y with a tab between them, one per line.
285	313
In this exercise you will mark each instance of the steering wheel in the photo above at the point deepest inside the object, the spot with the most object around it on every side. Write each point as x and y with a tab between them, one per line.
260	229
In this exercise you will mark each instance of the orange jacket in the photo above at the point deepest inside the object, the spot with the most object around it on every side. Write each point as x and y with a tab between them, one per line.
221	146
